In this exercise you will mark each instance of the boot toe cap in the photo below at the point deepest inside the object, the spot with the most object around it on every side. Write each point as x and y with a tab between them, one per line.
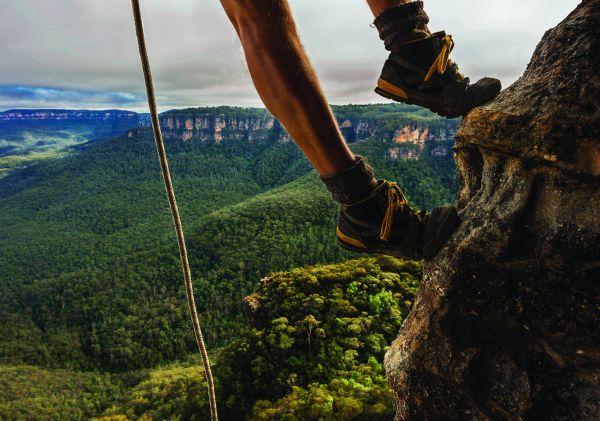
442	222
485	90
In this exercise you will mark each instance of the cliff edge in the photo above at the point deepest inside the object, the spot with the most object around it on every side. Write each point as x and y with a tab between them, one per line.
505	325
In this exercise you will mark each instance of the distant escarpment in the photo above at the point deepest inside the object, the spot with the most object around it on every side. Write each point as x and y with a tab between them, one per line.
75	115
409	130
506	323
213	125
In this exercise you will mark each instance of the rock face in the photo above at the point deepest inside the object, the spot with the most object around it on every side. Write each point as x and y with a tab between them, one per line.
213	126
408	139
357	129
505	325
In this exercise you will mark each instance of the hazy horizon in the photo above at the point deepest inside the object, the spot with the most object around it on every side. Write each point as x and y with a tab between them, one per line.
260	106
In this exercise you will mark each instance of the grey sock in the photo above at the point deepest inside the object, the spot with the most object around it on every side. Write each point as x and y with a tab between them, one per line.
352	184
401	24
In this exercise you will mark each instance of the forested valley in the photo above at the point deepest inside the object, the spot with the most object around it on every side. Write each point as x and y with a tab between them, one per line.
94	321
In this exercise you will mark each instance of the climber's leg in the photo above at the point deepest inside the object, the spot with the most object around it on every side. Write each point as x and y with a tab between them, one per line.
418	70
374	216
286	81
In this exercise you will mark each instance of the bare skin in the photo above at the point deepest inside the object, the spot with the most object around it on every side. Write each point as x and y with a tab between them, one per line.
378	6
286	81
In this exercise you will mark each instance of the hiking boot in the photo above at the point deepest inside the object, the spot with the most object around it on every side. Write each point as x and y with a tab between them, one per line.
376	218
420	73
384	223
418	70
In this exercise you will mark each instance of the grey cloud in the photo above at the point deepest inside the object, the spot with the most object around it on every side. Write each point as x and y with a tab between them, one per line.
89	46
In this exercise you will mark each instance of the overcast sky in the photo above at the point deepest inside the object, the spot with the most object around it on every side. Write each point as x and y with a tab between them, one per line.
82	53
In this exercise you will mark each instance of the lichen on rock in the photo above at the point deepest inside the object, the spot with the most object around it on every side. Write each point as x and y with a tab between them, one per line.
505	325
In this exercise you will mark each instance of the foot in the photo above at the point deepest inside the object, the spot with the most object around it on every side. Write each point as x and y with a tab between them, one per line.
420	73
384	223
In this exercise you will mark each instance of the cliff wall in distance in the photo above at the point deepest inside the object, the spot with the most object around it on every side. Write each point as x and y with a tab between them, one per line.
410	131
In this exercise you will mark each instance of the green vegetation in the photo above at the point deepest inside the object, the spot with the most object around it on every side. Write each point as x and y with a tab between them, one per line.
23	142
223	110
88	250
313	350
33	393
89	267
91	290
12	162
318	333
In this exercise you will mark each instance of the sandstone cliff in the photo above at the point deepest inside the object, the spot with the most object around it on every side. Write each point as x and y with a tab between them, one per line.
217	124
410	133
213	125
505	325
408	136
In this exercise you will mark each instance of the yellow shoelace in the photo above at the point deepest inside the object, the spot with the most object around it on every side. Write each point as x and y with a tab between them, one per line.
396	200
442	62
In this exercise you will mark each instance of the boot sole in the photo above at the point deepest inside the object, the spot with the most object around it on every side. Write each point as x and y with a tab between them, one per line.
448	226
406	96
411	97
358	245
350	247
397	255
360	249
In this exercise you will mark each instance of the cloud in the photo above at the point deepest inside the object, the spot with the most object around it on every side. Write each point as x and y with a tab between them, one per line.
14	96
82	53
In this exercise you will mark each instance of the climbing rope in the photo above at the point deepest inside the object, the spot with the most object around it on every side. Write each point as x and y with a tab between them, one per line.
164	165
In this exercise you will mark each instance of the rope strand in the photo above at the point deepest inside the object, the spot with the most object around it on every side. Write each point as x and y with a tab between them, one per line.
164	165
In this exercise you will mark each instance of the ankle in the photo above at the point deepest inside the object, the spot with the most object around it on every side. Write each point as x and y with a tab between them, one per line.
401	24
352	184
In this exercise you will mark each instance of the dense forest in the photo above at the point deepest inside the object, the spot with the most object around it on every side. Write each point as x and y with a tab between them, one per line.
90	280
313	349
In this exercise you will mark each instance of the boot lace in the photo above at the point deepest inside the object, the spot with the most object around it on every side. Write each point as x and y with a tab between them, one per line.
396	202
442	61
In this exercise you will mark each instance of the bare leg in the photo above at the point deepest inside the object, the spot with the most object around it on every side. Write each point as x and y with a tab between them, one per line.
286	81
378	6
289	88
